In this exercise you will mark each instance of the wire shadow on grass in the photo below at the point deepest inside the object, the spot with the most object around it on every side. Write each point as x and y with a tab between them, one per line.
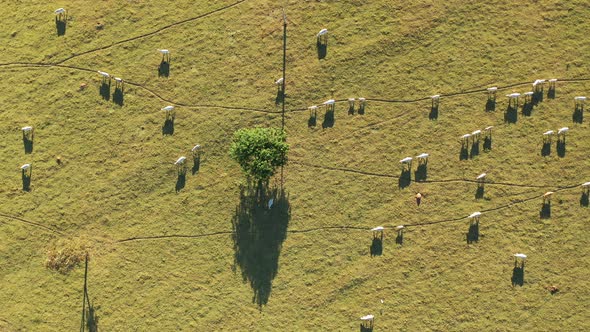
259	229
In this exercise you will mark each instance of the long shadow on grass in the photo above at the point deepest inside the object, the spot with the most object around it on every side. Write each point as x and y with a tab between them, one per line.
377	245
328	120
164	69
259	231
60	26
518	275
473	233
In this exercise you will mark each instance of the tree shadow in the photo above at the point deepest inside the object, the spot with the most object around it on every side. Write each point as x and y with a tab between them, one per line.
487	143
28	143
105	90
164	69
474	150
527	109
490	105
328	119
421	172
433	115
546	149
518	275
479	192
578	116
26	181
561	148
60	26
464	153
180	181
377	246
405	179
118	96
545	212
322	49
511	115
196	165
584	201
168	127
259	232
551	93
92	318
472	234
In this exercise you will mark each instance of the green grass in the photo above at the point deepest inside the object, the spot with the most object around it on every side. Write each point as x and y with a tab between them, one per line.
117	179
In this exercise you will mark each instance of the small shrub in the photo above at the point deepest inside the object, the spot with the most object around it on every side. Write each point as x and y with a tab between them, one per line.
66	255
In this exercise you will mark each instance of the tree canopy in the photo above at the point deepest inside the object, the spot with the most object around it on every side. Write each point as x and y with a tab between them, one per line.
259	151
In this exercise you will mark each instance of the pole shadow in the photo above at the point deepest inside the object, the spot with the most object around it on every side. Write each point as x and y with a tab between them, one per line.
105	90
60	26
584	201
421	172
578	115
474	150
322	50
511	114
196	165
433	115
518	275
561	148
328	119
472	234
405	179
546	149
545	212
164	69
377	245
168	127
92	318
487	143
259	231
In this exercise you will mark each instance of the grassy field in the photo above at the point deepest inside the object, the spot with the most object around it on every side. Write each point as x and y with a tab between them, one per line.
203	255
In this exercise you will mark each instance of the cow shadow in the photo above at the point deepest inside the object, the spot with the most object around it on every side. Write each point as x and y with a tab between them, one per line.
584	201
487	143
60	26
479	192
258	235
26	179
118	96
561	148
551	93
546	149
377	246
322	50
164	69
474	150
545	212
405	179
490	105
518	275
433	115
92	318
365	328
328	120
351	110
180	181
280	98
399	239
196	165
28	144
527	109
472	234
105	90
421	172
362	109
312	121
511	115
578	115
168	127
464	153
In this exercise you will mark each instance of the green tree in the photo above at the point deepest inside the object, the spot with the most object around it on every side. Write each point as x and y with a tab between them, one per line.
259	151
